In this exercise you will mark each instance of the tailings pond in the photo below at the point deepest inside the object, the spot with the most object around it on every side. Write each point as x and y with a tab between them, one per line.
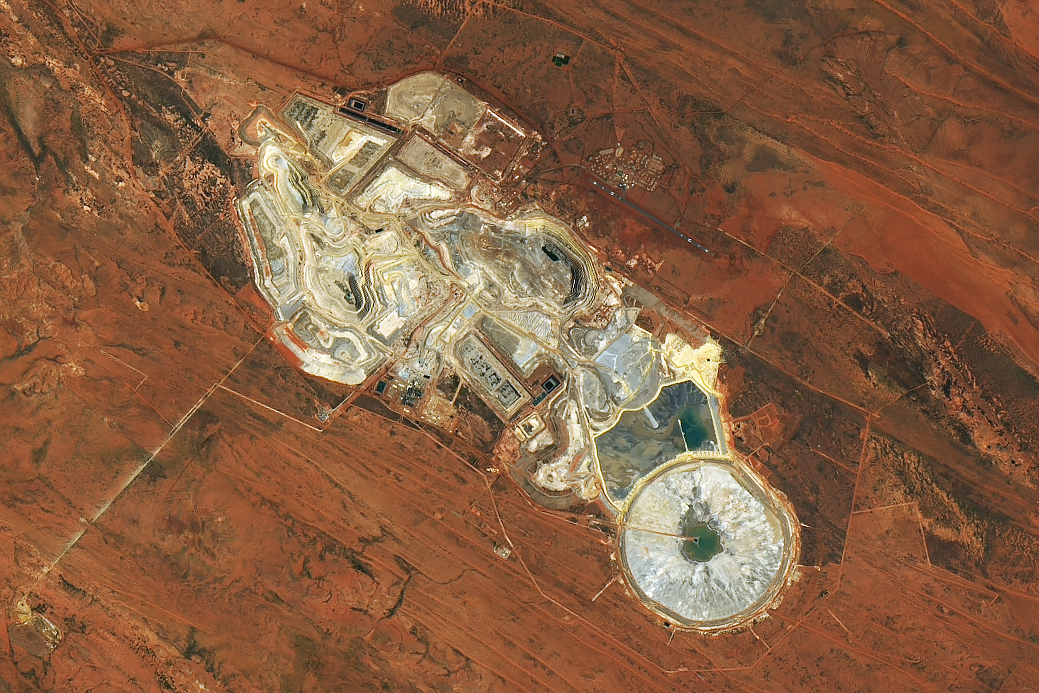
678	420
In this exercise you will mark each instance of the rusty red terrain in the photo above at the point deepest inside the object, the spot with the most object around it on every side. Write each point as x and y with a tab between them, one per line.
192	513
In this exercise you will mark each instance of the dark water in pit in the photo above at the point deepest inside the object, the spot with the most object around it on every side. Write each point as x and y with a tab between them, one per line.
702	543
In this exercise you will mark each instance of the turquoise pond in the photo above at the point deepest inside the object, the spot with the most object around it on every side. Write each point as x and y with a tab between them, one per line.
695	430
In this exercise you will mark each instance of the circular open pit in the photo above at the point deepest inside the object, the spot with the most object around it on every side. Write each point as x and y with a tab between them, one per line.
705	544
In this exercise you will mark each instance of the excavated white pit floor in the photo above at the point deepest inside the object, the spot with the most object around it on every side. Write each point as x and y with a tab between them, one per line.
701	546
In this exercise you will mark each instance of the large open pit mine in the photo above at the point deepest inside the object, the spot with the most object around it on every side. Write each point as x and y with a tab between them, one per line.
507	345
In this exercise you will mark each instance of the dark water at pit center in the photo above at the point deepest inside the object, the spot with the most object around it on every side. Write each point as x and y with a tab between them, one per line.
702	542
